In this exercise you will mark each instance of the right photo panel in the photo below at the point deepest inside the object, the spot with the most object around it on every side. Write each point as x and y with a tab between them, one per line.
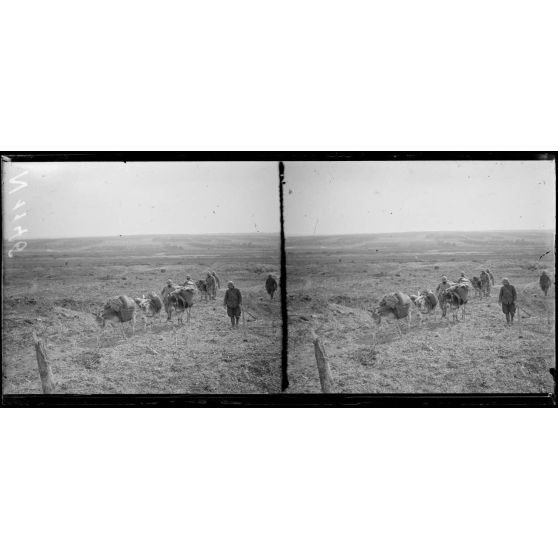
420	276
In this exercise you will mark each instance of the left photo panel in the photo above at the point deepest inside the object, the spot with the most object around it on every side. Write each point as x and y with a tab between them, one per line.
139	277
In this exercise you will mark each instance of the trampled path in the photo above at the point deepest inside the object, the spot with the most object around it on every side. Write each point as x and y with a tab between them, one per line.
479	354
203	356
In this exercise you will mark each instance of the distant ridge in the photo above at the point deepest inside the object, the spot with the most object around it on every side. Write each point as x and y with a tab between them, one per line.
492	231
165	235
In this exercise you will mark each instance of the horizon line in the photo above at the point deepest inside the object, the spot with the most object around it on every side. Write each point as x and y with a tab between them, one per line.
286	234
145	234
423	231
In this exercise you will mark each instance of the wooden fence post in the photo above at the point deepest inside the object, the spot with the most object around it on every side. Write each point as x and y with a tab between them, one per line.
43	361
323	364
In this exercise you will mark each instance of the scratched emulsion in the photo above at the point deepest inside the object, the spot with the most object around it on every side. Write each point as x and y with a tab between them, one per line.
283	286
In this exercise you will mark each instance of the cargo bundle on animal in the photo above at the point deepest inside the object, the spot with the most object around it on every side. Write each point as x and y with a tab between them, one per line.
396	306
117	311
426	303
455	297
150	307
181	301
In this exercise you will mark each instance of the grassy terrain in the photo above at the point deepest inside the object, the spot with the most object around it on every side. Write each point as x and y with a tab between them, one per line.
52	285
333	281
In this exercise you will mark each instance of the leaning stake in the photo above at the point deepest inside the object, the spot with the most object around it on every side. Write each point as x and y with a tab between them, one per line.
43	361
323	364
243	323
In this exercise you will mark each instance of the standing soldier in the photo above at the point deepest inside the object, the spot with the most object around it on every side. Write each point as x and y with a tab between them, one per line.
489	273
189	282
233	303
507	298
210	282
270	285
443	285
544	282
440	289
485	283
217	280
167	290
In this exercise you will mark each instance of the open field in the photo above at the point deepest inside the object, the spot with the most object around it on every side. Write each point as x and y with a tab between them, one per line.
51	286
334	280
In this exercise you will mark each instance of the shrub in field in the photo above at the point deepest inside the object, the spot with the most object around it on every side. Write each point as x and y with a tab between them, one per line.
89	359
263	269
366	356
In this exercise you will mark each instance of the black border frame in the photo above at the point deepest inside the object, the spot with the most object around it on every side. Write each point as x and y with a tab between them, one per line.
281	399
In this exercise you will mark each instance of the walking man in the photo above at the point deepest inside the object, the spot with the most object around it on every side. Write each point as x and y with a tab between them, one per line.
189	282
443	285
270	285
485	283
544	282
233	303
210	282
167	290
217	280
507	298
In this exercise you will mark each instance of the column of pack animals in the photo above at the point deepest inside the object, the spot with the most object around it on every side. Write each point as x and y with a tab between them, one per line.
174	299
453	296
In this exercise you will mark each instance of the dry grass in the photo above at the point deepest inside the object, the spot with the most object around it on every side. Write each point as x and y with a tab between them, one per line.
43	293
332	289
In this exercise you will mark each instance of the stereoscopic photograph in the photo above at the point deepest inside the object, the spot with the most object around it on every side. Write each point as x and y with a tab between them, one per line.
141	278
164	277
421	276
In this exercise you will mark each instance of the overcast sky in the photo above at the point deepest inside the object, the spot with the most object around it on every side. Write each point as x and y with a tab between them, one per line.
109	199
394	196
